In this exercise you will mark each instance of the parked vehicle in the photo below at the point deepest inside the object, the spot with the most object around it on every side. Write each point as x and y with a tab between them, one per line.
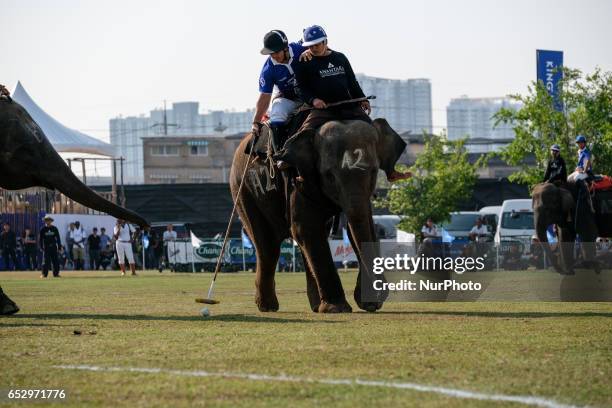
490	215
515	221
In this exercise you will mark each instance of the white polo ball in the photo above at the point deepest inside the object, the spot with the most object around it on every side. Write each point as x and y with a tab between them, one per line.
204	312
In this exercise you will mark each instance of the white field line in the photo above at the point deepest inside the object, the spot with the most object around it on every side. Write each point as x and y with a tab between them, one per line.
450	392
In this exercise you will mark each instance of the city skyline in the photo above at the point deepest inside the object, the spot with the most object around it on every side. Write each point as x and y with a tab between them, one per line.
87	62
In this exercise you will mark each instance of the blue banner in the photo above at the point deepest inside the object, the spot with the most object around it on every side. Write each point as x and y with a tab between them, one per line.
550	64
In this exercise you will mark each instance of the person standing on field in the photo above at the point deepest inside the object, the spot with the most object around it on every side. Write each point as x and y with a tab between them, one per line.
123	245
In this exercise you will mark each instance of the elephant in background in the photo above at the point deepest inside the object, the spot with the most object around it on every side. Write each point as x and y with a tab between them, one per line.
339	165
27	159
559	205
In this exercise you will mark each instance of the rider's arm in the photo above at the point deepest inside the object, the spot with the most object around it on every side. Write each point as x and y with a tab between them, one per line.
263	102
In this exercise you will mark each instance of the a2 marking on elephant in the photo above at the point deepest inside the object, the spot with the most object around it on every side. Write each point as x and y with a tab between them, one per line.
339	164
27	159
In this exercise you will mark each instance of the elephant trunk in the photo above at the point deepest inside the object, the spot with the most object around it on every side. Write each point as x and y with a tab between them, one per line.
64	180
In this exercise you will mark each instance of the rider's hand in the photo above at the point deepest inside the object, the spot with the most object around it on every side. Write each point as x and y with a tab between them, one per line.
319	104
365	105
306	56
4	91
256	128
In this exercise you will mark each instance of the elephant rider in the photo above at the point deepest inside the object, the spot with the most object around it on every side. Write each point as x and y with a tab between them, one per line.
556	170
583	174
328	78
279	71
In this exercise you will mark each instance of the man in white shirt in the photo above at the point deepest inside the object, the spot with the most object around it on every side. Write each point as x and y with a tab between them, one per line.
430	230
169	236
123	244
478	230
77	235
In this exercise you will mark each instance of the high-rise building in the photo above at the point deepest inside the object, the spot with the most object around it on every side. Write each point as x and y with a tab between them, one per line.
183	118
405	103
473	118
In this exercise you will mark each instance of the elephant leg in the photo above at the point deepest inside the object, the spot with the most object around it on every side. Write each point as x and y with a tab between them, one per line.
312	289
7	306
367	306
311	234
267	246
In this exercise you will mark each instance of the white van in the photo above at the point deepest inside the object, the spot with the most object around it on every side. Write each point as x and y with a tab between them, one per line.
490	215
515	221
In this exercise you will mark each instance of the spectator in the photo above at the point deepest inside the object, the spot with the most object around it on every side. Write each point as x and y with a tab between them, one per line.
104	239
62	256
536	255
156	250
430	230
93	245
70	242
30	250
169	236
78	246
50	244
106	256
513	260
429	233
8	243
479	230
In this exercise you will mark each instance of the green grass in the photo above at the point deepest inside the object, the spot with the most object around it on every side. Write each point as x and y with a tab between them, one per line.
559	351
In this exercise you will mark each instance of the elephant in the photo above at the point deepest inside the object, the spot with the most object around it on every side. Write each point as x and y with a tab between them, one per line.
558	204
338	166
27	159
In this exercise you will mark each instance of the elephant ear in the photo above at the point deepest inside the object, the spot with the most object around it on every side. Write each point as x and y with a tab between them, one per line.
299	151
389	147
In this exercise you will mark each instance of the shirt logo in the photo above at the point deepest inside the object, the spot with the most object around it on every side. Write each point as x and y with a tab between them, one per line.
331	71
262	81
330	65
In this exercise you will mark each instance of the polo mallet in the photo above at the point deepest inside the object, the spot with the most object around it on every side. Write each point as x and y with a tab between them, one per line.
209	298
330	105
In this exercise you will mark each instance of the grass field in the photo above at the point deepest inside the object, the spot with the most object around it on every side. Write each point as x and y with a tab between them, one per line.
561	352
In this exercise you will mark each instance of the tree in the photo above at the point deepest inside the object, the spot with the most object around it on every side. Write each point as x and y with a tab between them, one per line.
537	125
442	176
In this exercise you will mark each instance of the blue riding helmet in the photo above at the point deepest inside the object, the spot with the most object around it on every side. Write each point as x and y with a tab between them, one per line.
555	147
314	35
580	139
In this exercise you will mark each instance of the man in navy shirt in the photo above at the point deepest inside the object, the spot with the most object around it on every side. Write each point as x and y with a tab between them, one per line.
326	79
277	73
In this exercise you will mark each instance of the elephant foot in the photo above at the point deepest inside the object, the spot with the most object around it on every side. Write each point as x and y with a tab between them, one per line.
267	303
369	306
7	306
340	307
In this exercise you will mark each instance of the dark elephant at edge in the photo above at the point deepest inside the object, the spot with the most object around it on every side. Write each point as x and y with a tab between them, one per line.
339	164
557	205
27	159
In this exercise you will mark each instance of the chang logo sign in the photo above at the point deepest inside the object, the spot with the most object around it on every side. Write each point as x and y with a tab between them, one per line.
208	252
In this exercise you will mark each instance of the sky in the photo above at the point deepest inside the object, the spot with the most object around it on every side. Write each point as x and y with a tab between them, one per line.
85	62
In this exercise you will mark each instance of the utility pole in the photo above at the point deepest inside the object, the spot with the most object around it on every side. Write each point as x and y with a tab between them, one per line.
165	123
122	185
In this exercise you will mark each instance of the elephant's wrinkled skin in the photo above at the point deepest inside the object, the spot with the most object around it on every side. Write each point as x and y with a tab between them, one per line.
27	159
339	164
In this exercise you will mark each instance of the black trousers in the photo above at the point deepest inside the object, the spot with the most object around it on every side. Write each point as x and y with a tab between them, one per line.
94	259
31	257
7	253
50	258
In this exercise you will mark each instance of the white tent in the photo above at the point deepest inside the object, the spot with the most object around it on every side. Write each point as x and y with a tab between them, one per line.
62	138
